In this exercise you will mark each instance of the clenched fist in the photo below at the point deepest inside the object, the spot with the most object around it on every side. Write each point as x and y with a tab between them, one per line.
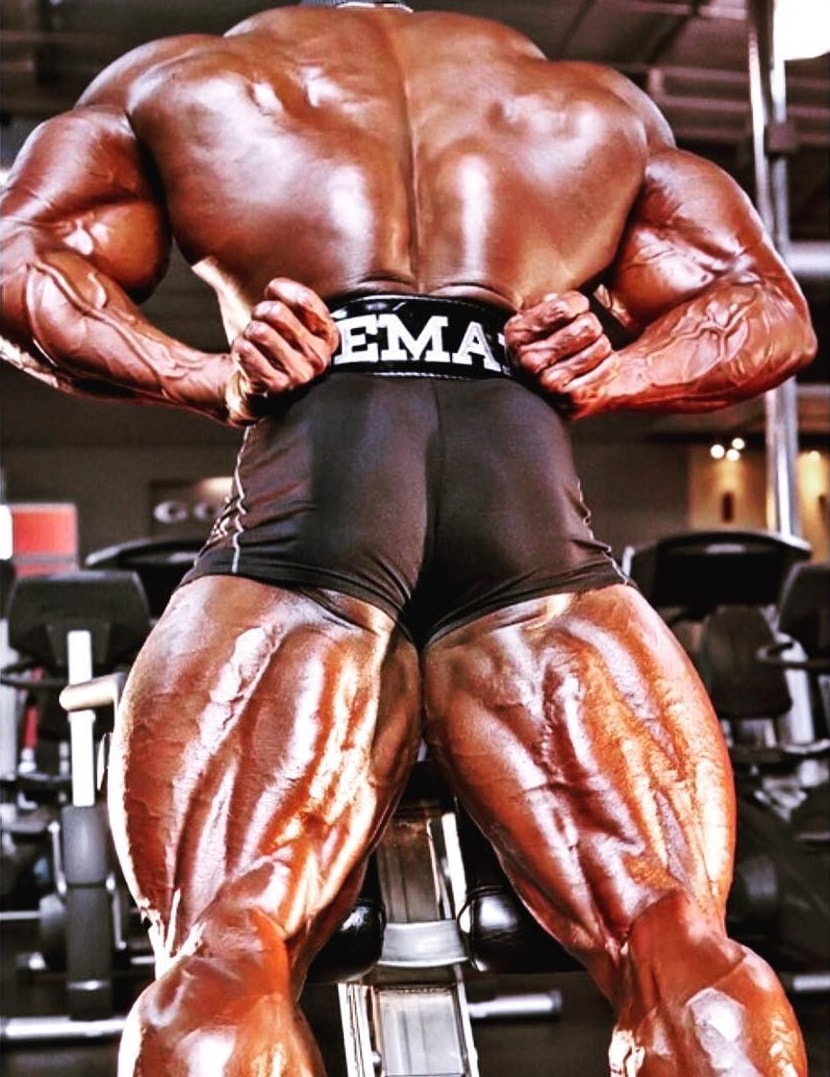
560	343
287	343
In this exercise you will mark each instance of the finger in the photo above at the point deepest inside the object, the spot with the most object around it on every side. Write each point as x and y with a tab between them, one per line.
276	328
562	376
285	344
552	312
307	306
559	345
261	373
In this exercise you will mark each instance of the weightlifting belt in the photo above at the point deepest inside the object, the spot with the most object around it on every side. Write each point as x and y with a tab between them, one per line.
420	336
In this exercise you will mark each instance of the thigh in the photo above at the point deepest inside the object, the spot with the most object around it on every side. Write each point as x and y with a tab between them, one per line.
262	740
579	737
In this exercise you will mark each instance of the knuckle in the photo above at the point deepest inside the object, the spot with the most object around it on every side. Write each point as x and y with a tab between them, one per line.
535	361
253	331
550	380
242	352
278	285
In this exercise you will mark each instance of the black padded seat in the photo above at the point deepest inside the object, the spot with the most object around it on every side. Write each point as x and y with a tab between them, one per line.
702	570
110	604
355	947
739	686
160	564
804	608
500	934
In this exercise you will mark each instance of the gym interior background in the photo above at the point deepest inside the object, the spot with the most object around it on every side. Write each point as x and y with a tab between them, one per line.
122	472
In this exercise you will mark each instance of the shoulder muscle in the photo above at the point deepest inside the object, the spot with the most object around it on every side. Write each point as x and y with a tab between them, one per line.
657	129
83	182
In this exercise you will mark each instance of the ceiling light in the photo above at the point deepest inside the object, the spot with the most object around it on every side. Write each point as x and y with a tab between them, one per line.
802	29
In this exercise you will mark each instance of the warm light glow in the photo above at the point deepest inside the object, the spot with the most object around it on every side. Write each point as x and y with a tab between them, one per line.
717	452
813	474
802	29
733	455
738	443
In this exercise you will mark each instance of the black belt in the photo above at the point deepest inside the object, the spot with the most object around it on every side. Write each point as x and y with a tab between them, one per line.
420	336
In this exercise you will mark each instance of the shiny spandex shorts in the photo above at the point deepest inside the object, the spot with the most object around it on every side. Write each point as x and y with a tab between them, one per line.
418	475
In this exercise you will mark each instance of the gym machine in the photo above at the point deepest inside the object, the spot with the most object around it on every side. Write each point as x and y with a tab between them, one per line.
742	603
68	627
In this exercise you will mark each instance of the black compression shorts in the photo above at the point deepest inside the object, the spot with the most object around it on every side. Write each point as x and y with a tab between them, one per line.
417	474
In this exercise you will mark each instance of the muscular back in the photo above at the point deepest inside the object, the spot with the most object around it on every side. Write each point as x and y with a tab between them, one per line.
356	149
343	149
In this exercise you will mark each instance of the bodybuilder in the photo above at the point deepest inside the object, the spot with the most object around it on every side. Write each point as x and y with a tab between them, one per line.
403	216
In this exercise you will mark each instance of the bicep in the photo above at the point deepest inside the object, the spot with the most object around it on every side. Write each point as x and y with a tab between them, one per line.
82	184
691	228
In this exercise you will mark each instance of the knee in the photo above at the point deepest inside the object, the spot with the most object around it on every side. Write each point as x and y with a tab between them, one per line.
692	1000
228	1013
165	1034
674	948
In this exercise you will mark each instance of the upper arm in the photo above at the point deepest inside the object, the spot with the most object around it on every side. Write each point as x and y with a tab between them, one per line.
83	185
691	227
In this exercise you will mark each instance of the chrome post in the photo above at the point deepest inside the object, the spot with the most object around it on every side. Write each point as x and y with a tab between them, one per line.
768	100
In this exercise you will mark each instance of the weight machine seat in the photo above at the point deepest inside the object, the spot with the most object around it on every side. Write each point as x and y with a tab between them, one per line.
111	605
804	624
160	564
7	577
739	686
500	934
355	947
804	608
702	570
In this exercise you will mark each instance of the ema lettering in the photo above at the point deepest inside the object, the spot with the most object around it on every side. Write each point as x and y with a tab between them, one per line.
383	338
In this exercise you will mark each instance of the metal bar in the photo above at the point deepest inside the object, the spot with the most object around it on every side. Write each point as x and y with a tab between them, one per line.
357	1032
689	132
730	106
806	983
517	1007
104	691
810	260
769	106
41	1029
678	71
15	916
81	723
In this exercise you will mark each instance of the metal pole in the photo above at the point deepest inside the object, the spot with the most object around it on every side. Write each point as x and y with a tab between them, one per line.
768	98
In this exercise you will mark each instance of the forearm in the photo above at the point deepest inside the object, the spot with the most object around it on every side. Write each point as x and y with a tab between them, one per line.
77	330
729	343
